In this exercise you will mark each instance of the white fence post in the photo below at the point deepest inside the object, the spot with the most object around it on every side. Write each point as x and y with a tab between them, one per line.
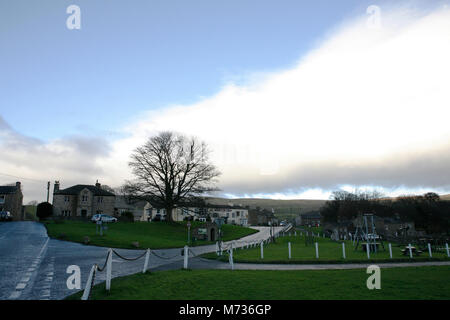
262	250
289	247
429	250
186	254
317	250
446	247
217	248
295	233
343	250
230	258
147	257
87	288
109	270
410	250
368	249
390	250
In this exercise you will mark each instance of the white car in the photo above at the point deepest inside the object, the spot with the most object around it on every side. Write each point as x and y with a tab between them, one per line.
103	218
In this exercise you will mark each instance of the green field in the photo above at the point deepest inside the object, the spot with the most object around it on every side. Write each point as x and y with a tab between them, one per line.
329	252
396	283
155	235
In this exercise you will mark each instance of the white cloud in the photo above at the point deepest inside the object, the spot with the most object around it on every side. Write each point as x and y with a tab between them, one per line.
373	100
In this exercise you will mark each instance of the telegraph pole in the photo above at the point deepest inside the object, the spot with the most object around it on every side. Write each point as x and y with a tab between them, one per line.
48	191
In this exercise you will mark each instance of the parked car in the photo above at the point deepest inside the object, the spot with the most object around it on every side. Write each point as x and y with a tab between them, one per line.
5	216
103	218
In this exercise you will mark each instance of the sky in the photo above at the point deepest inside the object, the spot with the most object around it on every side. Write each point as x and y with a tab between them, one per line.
295	98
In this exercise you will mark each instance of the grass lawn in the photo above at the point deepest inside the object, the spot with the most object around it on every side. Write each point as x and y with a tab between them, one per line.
396	283
329	252
154	235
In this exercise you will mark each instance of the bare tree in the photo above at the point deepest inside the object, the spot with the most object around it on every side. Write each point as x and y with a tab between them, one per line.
170	169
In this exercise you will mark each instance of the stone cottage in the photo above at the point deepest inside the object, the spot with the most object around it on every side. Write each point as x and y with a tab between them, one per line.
11	198
82	200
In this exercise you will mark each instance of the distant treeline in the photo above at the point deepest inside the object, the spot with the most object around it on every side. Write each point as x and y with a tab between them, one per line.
428	211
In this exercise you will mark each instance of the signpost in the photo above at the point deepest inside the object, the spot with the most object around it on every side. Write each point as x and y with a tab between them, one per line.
189	231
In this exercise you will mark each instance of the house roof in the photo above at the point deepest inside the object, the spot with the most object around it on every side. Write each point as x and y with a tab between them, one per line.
8	189
311	215
77	189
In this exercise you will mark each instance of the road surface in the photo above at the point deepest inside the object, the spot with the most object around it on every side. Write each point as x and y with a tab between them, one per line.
34	267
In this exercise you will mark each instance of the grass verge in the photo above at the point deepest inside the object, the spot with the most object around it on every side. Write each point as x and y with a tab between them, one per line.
329	252
408	283
154	235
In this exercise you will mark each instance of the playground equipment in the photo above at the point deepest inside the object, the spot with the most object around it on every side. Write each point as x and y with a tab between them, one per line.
366	234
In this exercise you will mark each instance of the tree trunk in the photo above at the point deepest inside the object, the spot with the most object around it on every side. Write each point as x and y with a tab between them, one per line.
169	217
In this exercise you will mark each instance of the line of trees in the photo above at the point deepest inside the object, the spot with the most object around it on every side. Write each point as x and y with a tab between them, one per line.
427	211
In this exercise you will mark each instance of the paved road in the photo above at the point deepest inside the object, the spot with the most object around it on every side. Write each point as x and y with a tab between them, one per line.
33	266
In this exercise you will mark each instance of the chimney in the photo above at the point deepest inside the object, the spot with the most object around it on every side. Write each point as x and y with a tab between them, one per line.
18	185
98	185
56	187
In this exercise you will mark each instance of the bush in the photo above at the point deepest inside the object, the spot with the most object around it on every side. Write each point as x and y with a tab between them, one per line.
44	210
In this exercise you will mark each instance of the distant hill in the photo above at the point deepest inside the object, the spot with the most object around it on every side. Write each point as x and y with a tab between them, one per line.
293	207
445	197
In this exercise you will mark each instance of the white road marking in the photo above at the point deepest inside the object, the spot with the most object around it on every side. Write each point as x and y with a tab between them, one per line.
21	286
15	295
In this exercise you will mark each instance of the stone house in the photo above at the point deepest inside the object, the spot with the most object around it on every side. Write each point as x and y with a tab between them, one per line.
11	198
260	217
136	207
82	200
309	219
232	214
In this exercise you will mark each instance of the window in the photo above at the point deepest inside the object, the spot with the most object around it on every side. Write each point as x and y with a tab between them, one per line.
237	213
66	198
2	199
234	214
100	199
84	198
66	213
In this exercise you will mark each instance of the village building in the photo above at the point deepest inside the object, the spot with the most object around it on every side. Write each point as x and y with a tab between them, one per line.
231	214
11	198
261	217
124	204
313	219
82	200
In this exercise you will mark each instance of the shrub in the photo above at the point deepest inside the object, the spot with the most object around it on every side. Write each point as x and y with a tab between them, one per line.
44	210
